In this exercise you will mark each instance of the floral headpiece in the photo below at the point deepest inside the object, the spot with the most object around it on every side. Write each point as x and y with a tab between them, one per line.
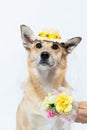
50	35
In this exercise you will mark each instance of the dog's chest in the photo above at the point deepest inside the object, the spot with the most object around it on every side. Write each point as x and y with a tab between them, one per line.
39	122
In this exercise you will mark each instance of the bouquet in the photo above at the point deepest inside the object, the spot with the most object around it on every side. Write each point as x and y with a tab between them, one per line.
60	105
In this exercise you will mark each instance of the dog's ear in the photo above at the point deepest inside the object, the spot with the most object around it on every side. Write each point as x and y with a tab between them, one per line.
70	44
27	36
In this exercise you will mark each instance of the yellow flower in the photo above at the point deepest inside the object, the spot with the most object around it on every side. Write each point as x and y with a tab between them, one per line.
42	34
50	35
63	103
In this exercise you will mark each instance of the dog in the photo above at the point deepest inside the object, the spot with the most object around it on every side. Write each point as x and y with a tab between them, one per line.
47	67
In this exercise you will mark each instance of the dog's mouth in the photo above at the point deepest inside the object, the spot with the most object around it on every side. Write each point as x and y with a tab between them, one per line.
46	63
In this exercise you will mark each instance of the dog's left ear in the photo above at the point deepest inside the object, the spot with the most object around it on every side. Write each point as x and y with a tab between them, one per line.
27	36
70	44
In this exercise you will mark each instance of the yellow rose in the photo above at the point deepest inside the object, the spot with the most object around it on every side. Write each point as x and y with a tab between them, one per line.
63	103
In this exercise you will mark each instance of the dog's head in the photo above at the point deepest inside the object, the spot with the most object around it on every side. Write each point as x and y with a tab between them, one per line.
44	54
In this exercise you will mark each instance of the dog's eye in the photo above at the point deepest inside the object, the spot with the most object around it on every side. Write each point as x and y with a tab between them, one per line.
38	45
55	47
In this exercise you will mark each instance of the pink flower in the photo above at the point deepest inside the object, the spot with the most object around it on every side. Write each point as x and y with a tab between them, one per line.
50	114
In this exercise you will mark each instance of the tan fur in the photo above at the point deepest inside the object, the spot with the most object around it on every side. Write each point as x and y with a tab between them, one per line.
39	83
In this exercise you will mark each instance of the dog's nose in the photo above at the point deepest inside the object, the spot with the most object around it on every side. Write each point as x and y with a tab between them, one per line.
45	55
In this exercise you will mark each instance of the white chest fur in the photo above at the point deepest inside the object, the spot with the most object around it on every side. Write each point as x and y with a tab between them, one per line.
42	123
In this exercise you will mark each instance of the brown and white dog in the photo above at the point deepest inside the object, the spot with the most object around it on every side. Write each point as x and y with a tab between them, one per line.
47	67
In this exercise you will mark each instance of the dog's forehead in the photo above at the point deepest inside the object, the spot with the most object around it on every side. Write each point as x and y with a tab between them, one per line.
46	41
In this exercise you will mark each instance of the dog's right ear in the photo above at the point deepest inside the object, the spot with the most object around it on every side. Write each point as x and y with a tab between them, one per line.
27	36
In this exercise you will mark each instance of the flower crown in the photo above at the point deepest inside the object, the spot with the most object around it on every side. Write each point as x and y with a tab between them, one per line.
50	35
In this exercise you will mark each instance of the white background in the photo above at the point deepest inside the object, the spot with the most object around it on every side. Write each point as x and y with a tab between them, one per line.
70	17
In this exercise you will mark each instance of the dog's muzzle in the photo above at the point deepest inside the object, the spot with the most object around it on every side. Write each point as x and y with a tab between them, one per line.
45	59
45	55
